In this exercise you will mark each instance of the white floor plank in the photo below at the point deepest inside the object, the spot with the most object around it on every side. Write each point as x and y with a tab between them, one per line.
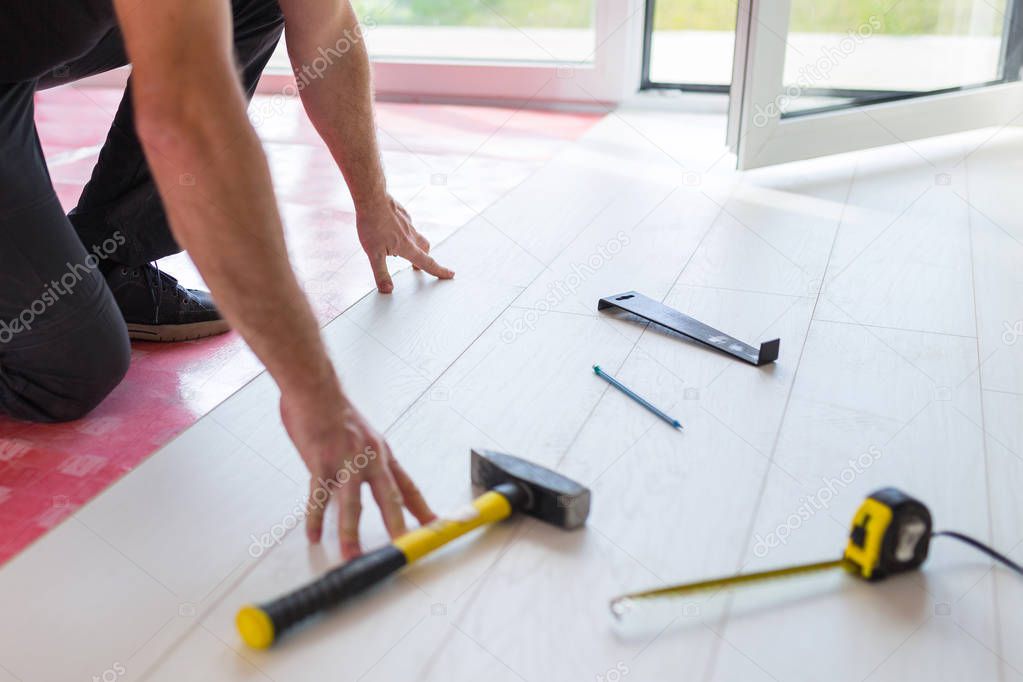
902	258
1004	435
429	337
994	172
75	592
639	242
214	482
775	233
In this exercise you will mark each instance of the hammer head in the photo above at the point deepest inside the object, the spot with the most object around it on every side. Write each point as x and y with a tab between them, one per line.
549	496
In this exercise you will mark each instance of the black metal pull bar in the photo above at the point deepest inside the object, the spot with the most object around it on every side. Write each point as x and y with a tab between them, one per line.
658	313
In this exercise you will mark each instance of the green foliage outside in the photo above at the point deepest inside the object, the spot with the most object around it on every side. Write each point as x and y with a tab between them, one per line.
903	17
898	17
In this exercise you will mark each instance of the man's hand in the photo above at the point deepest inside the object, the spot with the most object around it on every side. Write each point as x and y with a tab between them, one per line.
342	451
386	230
339	101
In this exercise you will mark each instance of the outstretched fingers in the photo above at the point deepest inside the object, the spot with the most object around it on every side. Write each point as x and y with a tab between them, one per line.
349	500
388	498
319	496
424	261
422	242
380	274
410	494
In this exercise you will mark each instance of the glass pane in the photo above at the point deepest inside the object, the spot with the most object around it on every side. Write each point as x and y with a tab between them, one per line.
693	41
480	30
861	50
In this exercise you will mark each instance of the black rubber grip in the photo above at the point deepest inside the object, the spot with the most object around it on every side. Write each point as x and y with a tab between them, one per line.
333	588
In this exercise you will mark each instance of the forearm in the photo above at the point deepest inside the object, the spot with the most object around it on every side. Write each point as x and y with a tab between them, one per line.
328	53
213	177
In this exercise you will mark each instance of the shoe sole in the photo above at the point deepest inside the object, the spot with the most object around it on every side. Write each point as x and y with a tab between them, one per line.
176	332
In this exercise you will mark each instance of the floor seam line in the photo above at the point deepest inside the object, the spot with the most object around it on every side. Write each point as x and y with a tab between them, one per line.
983	421
895	329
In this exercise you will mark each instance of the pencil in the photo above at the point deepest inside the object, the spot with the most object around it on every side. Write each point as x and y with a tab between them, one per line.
632	394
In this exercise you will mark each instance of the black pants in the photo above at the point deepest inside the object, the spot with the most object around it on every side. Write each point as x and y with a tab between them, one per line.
63	343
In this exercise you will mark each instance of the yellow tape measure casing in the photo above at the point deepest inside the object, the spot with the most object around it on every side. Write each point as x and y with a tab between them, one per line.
890	533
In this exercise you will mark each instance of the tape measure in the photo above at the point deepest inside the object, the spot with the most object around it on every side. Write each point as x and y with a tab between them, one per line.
890	534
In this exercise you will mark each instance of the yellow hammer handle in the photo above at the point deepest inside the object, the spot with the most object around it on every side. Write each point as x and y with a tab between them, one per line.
487	508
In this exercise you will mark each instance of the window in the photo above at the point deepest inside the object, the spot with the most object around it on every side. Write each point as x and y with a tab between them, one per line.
824	79
480	30
836	52
689	44
523	52
875	50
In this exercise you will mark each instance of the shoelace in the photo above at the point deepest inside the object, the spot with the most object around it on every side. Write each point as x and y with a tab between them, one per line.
155	288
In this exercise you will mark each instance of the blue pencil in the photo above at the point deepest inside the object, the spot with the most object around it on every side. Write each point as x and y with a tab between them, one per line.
629	392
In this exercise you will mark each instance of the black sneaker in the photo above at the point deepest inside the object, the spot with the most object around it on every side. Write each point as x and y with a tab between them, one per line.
156	308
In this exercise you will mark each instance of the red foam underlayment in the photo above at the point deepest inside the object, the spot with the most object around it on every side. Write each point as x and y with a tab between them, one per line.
444	163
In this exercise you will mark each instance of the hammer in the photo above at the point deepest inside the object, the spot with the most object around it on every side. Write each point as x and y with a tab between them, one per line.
512	485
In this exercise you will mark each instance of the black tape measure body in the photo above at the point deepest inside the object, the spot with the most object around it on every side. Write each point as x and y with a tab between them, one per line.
890	533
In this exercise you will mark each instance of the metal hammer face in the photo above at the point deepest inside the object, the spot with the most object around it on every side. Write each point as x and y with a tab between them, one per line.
549	496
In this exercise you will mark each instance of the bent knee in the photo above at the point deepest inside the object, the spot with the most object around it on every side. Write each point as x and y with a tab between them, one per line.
100	366
66	373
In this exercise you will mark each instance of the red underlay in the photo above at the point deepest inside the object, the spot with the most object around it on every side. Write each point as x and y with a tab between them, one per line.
443	162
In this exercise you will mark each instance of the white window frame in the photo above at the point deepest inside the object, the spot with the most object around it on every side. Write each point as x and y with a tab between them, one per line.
760	136
609	76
